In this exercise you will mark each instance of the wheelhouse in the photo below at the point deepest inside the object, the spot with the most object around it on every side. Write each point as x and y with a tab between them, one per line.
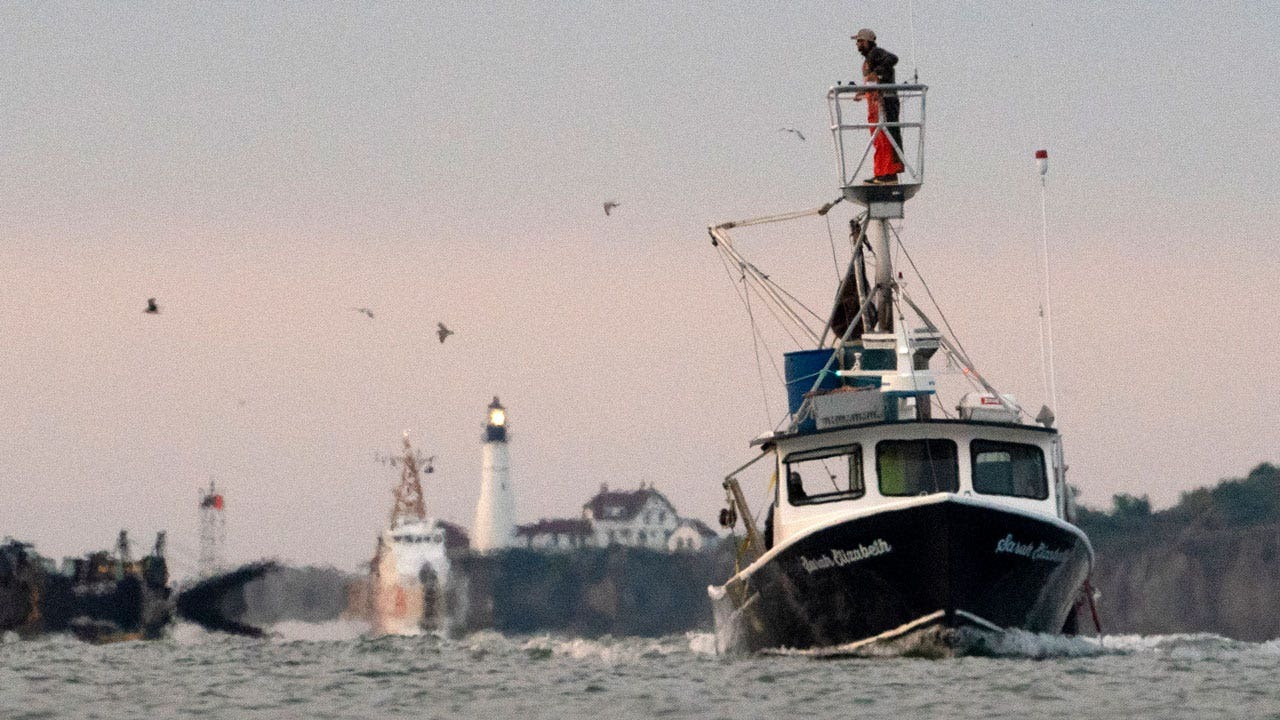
840	475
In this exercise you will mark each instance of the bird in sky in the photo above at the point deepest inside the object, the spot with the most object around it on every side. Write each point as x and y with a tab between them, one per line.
792	130
610	205
442	331
364	311
152	307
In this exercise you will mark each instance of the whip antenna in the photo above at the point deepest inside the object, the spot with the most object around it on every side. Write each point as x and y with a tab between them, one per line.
1046	309
911	23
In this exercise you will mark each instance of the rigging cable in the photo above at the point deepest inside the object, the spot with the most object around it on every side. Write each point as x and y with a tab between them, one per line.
835	262
755	347
965	361
929	292
770	301
754	333
770	291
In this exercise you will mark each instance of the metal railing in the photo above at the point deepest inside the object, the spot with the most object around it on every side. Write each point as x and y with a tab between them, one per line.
853	133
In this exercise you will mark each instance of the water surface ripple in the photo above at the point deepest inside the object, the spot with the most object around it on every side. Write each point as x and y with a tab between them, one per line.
333	672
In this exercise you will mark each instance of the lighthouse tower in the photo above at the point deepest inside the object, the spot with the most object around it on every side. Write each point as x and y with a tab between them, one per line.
495	525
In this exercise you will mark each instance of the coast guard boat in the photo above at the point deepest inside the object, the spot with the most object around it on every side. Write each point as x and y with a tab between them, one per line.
891	519
403	592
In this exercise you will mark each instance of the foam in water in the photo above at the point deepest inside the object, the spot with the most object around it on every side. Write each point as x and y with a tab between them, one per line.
966	642
607	648
701	643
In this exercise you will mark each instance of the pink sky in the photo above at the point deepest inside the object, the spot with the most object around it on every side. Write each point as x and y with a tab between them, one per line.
262	171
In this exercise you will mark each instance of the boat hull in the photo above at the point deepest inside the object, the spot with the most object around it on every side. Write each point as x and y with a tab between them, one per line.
928	568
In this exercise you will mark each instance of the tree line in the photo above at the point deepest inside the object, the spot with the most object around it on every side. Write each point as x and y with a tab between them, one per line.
1234	502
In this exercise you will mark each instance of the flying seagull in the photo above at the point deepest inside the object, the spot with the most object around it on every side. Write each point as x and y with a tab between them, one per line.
792	130
442	331
152	307
364	311
609	206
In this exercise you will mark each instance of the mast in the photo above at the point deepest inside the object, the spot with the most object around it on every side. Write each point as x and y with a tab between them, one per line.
410	506
856	139
869	346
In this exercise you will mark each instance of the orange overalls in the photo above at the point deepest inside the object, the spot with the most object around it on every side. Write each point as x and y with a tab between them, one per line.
885	161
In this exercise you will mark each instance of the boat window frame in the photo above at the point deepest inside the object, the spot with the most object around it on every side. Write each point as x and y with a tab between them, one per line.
955	465
856	459
1040	465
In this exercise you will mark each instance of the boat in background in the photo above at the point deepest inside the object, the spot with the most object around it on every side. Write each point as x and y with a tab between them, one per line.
21	582
888	523
100	597
403	593
115	597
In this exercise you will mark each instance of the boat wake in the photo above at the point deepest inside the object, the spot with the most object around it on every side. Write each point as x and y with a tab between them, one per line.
609	649
966	642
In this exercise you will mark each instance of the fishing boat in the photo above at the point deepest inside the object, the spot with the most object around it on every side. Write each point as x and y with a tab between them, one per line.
21	580
892	519
101	597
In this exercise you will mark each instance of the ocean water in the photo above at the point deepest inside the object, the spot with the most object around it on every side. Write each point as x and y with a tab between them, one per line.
332	671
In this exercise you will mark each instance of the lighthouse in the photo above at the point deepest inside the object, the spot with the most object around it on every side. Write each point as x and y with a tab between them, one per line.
495	525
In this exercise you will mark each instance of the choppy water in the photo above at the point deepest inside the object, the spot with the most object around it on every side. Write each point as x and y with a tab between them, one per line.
329	671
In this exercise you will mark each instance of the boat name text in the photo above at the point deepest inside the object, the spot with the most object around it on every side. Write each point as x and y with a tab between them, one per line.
1028	550
839	558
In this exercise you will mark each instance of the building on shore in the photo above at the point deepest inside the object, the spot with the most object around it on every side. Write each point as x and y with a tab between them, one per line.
642	518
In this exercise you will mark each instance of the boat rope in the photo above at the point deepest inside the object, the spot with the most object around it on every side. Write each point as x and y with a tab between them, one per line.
767	502
958	352
1093	607
720	239
932	299
781	323
937	402
769	290
755	333
966	366
835	262
755	346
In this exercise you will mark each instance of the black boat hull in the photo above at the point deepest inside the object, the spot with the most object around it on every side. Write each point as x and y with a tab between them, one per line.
928	568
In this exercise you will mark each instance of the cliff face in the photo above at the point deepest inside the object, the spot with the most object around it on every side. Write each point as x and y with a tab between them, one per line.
1222	580
589	592
1209	564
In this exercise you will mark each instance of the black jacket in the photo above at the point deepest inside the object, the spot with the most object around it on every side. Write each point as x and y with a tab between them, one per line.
881	62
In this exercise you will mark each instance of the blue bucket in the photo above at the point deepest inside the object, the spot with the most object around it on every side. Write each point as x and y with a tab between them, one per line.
801	369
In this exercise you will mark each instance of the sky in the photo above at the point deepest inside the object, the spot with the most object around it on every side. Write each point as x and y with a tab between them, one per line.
263	168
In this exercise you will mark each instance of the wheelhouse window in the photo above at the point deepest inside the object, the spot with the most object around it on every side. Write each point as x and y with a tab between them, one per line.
1012	469
917	467
825	475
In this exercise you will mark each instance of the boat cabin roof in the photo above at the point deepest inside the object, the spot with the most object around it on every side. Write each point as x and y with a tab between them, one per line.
764	441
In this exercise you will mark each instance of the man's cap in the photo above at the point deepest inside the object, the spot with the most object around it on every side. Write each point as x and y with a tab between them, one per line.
864	34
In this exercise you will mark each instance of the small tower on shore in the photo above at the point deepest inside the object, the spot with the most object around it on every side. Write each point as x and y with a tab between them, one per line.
495	524
213	532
